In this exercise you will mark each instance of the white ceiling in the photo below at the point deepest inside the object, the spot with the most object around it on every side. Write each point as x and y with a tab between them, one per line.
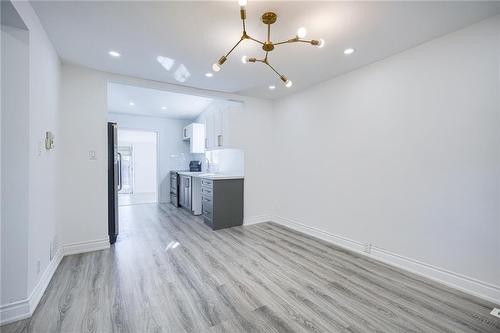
149	102
195	34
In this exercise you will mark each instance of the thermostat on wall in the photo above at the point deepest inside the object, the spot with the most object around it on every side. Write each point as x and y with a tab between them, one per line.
49	140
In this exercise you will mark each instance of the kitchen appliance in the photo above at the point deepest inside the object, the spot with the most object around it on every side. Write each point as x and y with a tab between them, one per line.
174	188
114	181
185	192
180	186
195	166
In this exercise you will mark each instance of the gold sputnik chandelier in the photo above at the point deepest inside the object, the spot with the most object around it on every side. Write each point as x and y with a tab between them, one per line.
267	18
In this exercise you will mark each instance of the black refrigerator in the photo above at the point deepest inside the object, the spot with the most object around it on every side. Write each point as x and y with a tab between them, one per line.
114	175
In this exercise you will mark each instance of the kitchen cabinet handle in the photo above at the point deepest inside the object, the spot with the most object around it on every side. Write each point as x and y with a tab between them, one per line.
120	184
219	140
206	142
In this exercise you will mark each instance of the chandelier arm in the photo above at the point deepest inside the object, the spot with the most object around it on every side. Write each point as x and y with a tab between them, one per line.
269	32
233	48
293	40
255	40
274	70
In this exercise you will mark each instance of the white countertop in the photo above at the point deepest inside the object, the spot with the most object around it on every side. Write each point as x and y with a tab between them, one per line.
212	176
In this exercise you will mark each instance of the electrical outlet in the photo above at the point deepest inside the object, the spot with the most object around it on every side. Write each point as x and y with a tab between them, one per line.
38	267
495	312
367	248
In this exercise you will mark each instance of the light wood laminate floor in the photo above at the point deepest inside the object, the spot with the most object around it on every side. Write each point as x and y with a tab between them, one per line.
168	272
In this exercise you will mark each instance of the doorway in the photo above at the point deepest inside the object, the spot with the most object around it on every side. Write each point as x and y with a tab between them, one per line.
137	155
127	169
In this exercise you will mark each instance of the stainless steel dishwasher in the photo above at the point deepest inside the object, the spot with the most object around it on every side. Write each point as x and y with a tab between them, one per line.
185	192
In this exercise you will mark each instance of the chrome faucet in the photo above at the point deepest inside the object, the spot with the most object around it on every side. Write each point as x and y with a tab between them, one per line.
208	163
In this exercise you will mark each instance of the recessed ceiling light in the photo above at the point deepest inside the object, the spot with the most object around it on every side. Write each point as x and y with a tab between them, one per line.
163	107
209	74
349	51
131	103
114	54
272	87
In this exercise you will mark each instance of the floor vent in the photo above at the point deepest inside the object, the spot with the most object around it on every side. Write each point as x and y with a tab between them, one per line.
495	312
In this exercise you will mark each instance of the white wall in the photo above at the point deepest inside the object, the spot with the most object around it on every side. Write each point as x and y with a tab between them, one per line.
84	210
39	171
144	167
404	154
173	153
15	163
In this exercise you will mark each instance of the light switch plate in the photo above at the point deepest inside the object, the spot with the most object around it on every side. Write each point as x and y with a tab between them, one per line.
92	155
495	312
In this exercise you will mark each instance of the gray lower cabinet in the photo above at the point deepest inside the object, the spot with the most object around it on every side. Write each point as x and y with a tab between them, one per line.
222	202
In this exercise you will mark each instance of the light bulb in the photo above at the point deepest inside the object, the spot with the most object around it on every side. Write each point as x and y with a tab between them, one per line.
272	87
216	67
301	32
244	59
321	43
242	2
209	74
288	83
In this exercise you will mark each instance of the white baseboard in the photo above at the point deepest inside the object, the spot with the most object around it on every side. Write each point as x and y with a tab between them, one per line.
14	311
454	280
82	247
256	219
24	309
43	283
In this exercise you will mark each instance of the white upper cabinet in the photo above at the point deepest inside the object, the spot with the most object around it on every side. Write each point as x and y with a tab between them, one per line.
195	133
216	119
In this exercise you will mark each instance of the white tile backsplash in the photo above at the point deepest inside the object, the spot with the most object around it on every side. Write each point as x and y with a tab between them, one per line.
228	161
180	161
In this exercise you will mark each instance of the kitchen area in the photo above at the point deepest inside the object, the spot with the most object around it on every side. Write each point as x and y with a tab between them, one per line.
213	186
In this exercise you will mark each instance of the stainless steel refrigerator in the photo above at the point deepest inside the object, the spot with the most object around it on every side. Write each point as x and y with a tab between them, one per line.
114	181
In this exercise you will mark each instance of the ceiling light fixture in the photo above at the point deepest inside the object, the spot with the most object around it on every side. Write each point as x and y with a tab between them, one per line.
114	54
209	74
267	18
163	107
272	87
131	103
349	51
